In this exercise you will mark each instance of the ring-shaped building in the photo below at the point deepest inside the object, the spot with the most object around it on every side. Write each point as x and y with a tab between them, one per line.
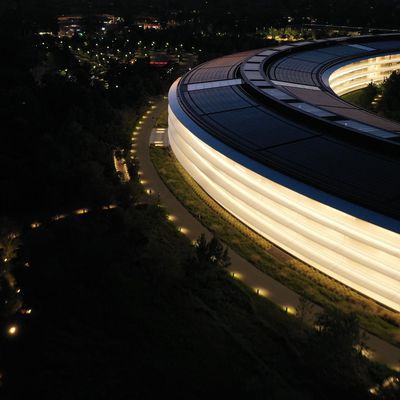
267	136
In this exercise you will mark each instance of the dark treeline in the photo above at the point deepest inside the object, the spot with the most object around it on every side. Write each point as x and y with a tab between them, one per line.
58	134
368	13
124	307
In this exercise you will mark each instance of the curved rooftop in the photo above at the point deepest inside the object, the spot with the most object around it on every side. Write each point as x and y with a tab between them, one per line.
277	106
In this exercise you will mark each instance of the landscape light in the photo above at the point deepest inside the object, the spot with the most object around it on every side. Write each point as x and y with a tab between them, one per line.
12	330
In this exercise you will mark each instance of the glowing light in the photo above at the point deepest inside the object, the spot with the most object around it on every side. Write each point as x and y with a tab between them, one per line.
35	225
367	353
263	292
58	217
12	330
237	275
81	211
110	207
290	310
373	390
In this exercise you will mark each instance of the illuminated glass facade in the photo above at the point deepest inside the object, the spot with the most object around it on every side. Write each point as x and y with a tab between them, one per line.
308	191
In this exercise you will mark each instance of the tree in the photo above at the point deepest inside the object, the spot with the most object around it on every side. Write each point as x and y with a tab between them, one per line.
335	353
10	300
210	257
211	253
368	96
389	105
9	240
341	330
304	309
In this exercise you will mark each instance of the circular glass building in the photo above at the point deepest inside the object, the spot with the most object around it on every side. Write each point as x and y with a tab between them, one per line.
265	134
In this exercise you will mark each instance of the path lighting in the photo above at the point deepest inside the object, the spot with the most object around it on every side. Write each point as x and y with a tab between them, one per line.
81	211
12	330
289	310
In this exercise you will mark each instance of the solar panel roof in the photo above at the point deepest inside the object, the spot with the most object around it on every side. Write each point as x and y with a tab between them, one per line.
294	146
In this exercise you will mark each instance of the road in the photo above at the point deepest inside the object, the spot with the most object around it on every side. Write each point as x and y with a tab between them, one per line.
380	350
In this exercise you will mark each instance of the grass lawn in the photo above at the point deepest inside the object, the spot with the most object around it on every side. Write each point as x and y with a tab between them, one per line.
162	121
293	273
356	97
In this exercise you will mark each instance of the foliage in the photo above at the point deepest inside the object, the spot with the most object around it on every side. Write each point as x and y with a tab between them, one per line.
389	105
59	129
388	102
335	345
211	253
114	310
10	299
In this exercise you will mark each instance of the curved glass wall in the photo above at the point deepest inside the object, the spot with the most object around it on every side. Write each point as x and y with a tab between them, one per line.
360	74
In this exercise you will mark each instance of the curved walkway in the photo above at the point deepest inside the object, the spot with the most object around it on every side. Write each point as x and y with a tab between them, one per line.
380	350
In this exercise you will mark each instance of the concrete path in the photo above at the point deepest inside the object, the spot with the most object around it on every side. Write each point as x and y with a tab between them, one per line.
243	270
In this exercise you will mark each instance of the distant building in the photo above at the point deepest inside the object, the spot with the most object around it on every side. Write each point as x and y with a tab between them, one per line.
71	25
160	59
148	22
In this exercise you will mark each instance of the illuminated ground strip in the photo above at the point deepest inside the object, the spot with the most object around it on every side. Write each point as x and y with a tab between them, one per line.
355	252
